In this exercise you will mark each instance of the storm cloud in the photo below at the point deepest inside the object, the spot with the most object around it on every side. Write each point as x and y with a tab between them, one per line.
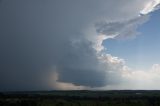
37	35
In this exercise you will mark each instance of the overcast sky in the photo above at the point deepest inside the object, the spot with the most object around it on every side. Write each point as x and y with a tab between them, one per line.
79	44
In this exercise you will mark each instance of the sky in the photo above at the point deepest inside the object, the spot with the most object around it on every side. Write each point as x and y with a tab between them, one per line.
79	45
142	51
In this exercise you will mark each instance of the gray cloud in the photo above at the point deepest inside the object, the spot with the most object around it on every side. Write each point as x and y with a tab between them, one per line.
122	29
80	66
36	35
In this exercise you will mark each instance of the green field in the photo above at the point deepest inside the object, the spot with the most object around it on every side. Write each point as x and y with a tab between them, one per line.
81	98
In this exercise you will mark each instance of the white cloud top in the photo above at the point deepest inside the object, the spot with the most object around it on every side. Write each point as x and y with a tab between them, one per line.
151	6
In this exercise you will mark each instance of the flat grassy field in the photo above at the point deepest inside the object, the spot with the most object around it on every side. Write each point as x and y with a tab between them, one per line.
81	98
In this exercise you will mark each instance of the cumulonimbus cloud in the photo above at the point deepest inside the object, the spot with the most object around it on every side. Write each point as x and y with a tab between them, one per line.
67	35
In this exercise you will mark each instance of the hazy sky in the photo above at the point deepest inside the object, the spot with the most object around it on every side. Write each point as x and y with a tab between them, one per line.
79	44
